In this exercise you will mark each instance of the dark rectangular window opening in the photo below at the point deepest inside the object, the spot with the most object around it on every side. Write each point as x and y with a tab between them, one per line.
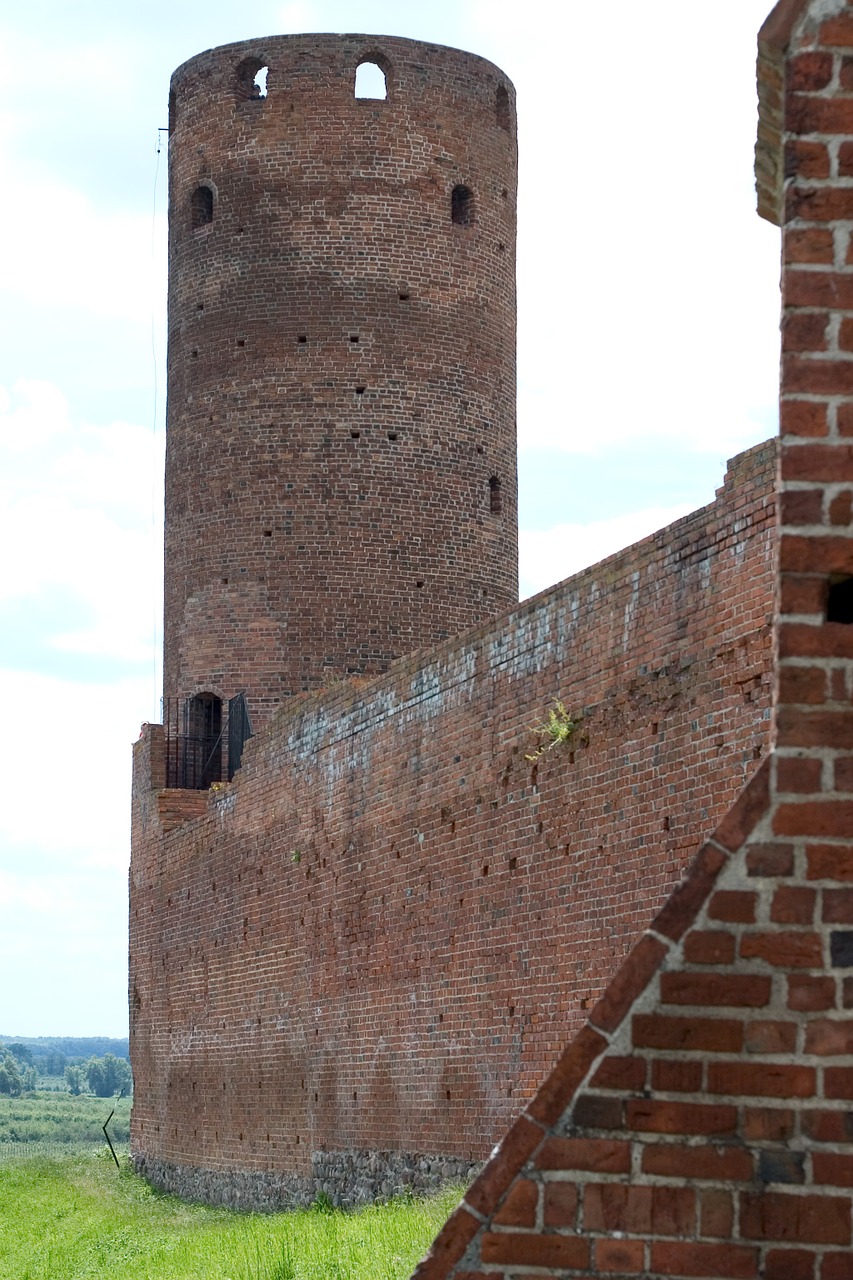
839	601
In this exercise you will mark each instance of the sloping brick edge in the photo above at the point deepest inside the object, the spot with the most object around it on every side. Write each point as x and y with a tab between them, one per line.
524	1142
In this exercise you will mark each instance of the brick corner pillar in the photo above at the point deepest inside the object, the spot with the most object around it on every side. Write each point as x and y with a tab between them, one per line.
815	627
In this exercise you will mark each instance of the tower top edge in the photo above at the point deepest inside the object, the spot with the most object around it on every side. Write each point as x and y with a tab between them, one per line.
342	49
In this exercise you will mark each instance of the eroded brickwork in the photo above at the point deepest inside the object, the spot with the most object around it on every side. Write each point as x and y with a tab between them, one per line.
700	1125
377	939
340	473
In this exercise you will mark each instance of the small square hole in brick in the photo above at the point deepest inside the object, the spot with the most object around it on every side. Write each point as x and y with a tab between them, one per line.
355	435
839	601
404	297
359	391
267	533
353	337
392	435
841	949
303	338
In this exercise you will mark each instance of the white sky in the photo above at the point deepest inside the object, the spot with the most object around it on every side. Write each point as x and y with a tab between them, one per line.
648	354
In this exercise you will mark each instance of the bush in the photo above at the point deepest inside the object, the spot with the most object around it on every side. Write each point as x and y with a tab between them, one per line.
109	1075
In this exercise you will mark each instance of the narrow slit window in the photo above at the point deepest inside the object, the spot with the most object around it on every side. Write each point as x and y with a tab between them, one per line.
173	112
502	114
201	207
462	206
370	82
494	496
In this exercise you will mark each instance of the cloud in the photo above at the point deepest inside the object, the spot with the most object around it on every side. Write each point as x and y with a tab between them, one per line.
81	506
69	253
66	768
547	556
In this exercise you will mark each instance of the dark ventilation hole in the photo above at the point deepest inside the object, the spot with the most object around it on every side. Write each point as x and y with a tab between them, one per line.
199	306
201	207
355	435
839	601
359	391
267	533
194	355
173	112
502	114
370	81
251	80
392	435
241	342
404	297
462	206
303	337
419	584
494	495
353	337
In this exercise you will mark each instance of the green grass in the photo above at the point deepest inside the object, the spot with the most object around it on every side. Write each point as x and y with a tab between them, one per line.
59	1118
76	1217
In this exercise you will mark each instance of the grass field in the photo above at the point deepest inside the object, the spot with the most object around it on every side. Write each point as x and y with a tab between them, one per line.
75	1216
50	1117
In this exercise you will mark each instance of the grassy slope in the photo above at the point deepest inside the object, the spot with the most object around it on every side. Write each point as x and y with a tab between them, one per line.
76	1216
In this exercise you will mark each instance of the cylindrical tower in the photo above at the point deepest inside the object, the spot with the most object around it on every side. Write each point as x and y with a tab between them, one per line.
340	470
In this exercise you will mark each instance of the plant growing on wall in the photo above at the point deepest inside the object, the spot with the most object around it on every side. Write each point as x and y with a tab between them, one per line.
556	731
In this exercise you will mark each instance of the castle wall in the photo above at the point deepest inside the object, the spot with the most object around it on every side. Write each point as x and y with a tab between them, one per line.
352	970
340	469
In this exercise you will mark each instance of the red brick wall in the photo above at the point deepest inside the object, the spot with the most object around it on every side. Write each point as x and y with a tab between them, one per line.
341	363
383	931
700	1124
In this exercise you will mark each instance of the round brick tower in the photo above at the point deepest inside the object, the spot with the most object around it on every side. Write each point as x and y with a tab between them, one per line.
340	469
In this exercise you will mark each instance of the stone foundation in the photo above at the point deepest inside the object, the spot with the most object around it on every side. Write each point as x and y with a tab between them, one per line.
345	1178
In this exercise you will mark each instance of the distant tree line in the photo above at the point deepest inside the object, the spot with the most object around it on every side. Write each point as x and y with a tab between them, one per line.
104	1076
75	1049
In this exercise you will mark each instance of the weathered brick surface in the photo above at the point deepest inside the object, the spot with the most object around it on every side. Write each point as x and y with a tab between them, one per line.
390	885
735	1136
341	363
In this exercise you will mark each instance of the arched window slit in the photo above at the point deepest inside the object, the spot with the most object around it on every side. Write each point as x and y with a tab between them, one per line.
502	111
201	207
370	81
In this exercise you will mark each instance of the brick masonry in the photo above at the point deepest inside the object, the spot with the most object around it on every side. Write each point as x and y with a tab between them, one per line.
340	470
352	966
700	1123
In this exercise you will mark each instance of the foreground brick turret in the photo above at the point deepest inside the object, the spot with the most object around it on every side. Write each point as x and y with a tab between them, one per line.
702	1122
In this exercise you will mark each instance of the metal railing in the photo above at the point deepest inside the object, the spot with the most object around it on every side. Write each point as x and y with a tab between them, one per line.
204	739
